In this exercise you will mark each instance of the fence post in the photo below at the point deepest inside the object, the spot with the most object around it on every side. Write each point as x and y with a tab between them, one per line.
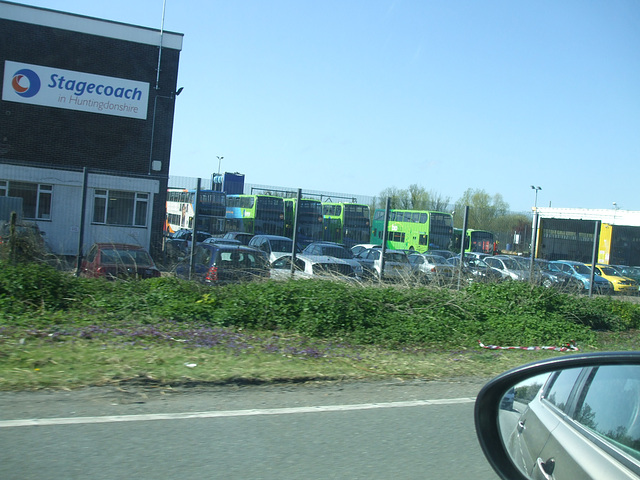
385	236
295	231
594	255
465	220
83	208
194	226
534	247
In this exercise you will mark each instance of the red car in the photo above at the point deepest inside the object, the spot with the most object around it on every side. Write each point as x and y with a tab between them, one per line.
118	260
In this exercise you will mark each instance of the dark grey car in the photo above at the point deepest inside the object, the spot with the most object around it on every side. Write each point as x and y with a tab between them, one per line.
216	264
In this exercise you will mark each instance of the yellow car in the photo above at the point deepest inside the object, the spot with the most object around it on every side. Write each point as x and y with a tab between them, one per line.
620	284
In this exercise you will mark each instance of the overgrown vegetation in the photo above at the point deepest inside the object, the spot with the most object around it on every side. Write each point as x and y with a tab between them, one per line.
42	310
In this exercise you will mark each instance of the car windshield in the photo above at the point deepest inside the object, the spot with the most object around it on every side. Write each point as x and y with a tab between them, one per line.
610	271
581	268
126	257
436	259
281	245
336	251
396	257
512	264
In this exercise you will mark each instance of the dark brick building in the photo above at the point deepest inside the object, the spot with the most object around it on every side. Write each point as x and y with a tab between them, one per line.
81	94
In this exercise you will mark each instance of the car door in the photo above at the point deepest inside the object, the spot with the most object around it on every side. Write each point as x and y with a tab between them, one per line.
541	417
600	437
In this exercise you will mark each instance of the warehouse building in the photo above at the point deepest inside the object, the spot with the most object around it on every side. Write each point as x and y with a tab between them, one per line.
86	119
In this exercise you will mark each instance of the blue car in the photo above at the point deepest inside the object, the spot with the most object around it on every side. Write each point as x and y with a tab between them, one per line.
580	272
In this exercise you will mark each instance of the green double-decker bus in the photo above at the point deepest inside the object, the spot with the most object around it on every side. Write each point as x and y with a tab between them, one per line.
346	223
257	214
417	230
480	241
309	220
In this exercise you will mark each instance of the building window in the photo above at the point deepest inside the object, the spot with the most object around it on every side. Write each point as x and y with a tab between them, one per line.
36	198
115	207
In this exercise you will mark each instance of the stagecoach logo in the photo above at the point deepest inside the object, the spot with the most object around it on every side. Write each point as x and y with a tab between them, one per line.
55	87
26	83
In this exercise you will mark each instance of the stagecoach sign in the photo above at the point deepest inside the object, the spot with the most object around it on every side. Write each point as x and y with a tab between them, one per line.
55	87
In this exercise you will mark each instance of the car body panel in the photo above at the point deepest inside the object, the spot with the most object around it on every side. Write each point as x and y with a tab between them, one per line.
431	268
118	260
579	271
621	284
314	266
553	426
508	266
274	246
321	250
216	264
396	264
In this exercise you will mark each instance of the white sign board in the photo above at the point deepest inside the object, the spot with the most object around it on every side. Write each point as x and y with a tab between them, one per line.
55	87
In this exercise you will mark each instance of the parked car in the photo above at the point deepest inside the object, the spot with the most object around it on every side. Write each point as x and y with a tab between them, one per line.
477	255
396	264
242	237
621	284
356	249
274	246
216	264
178	244
508	266
507	400
627	271
222	241
320	250
118	260
575	417
431	268
312	267
549	275
443	253
580	272
475	270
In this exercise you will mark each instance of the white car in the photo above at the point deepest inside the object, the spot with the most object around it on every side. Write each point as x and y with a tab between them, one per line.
356	249
319	251
396	264
312	267
274	246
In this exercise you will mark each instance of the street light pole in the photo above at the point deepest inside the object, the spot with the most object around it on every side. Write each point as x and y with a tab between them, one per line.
535	205
219	162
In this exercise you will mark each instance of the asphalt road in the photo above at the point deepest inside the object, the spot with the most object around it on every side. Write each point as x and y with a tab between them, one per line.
363	430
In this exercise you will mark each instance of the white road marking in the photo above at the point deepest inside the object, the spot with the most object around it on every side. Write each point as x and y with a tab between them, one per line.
30	422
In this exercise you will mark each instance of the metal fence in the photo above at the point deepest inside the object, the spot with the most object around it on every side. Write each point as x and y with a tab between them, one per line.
76	208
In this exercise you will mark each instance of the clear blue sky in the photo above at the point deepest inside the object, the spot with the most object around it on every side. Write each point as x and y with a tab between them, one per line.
354	96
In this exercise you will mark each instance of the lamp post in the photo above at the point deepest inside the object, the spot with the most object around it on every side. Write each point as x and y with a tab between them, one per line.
535	205
219	162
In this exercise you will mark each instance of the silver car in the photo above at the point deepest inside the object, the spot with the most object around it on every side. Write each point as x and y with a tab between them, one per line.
432	269
396	264
312	267
572	428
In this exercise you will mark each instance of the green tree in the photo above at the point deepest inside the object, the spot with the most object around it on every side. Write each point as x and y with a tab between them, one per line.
484	209
413	198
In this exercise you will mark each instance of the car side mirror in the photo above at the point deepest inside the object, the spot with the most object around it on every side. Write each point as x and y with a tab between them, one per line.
572	417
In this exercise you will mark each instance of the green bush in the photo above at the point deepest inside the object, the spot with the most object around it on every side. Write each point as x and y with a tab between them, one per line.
32	287
506	314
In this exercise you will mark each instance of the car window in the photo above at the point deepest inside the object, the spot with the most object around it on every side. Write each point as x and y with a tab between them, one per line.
281	245
619	420
492	262
396	257
561	386
202	256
